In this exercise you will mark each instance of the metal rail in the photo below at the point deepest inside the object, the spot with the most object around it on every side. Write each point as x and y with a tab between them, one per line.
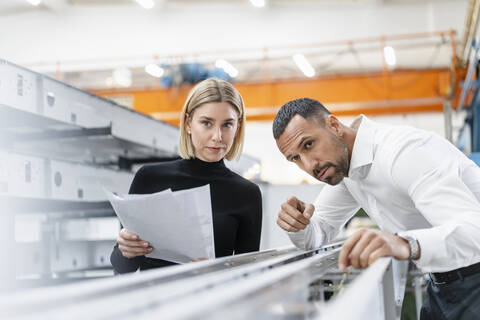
283	283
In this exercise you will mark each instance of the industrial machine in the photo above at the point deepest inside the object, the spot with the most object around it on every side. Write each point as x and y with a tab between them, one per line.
469	137
275	284
59	147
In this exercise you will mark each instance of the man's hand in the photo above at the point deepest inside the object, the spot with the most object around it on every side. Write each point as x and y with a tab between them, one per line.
131	245
367	245
295	215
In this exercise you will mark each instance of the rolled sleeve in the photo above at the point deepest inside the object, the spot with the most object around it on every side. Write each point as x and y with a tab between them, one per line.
437	188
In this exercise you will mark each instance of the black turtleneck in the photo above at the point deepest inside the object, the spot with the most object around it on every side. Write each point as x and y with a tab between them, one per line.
236	206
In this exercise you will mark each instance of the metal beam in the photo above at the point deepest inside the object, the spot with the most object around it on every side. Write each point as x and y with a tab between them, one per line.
400	91
51	134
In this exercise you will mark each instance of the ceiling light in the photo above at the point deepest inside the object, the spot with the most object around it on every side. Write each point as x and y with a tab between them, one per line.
227	67
258	3
34	2
109	82
389	54
154	70
147	4
303	64
122	77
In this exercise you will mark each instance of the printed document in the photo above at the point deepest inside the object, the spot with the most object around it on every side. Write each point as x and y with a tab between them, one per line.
178	225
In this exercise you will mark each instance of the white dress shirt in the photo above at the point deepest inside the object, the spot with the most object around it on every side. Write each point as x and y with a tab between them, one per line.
410	182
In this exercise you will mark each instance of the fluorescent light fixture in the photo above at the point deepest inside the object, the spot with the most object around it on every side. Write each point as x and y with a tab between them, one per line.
389	54
109	82
147	4
227	67
258	3
154	70
34	2
303	64
122	77
252	172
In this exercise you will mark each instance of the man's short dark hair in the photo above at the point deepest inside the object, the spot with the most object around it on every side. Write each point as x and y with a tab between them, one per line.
304	107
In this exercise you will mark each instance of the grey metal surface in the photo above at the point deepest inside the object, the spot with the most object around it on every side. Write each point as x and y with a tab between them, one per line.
45	178
59	147
136	292
377	293
275	284
33	103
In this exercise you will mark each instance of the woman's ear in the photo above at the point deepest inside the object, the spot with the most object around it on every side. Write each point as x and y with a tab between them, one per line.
239	125
188	121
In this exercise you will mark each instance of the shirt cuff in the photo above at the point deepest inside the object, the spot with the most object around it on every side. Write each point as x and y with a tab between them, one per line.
432	247
298	239
307	239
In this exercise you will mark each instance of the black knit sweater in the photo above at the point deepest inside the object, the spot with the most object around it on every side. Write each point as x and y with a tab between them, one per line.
236	206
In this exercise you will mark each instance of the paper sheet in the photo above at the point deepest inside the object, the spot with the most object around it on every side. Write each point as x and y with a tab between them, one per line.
178	224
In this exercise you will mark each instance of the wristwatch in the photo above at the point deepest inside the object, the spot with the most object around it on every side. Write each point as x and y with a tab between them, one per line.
413	243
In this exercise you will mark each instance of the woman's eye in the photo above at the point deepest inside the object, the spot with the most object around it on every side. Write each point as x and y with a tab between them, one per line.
228	125
206	123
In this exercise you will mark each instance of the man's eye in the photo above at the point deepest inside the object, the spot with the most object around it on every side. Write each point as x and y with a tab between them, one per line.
295	158
308	145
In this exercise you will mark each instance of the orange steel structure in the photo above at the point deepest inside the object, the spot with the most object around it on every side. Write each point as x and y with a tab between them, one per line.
396	92
382	92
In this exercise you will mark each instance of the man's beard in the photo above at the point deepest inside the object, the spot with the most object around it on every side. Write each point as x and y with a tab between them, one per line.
340	167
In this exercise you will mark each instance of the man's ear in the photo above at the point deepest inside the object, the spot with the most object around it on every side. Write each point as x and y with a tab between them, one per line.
334	125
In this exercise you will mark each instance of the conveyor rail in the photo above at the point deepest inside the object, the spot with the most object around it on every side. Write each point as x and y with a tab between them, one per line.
201	276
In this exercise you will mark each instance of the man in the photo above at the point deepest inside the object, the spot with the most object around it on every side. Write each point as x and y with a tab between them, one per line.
422	192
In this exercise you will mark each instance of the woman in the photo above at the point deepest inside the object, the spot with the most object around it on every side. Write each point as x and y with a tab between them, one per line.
212	127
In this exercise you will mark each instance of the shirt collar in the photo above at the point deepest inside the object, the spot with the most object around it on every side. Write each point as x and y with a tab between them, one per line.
362	153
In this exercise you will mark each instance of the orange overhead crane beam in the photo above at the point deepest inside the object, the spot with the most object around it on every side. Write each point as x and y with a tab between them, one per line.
401	91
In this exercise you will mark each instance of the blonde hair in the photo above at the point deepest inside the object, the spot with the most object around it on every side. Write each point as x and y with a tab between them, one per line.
212	90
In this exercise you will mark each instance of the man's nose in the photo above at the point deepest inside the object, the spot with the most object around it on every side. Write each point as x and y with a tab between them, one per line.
310	166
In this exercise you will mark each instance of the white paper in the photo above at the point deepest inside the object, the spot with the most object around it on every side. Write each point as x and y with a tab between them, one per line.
198	200
178	225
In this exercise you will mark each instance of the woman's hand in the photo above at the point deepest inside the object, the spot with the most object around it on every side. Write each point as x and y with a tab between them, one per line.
131	245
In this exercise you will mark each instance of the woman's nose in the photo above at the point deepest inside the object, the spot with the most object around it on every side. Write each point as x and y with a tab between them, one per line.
217	135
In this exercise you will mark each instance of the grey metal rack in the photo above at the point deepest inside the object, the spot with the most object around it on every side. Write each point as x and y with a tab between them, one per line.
59	146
